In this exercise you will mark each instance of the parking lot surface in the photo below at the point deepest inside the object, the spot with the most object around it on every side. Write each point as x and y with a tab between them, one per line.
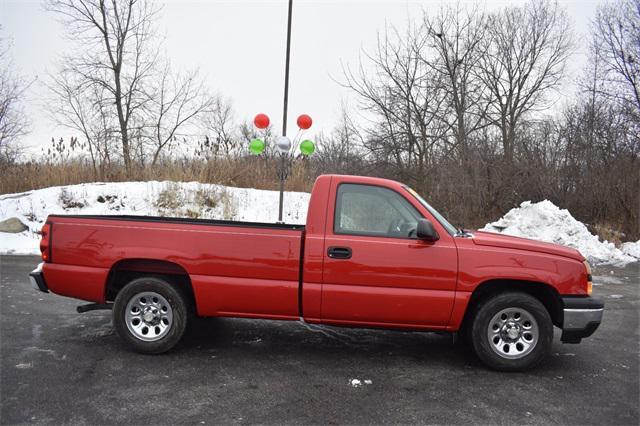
58	366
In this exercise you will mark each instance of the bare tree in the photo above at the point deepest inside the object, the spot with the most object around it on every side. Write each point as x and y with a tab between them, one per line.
116	52
616	47
602	127
13	120
173	102
221	137
456	39
341	150
527	48
407	100
84	108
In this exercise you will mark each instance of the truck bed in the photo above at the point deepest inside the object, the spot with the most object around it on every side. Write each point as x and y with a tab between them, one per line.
236	268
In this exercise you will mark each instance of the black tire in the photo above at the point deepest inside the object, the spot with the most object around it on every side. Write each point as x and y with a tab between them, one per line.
490	353
172	332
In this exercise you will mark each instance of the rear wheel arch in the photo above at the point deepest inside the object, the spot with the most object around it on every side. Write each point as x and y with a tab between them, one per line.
126	270
545	293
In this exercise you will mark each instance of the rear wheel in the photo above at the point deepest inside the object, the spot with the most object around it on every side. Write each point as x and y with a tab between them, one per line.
150	315
511	332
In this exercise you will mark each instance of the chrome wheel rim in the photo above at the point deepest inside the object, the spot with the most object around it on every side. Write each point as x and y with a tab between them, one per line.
148	316
513	333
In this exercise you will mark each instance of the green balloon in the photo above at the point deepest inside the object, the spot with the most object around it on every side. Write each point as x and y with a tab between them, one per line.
256	146
307	147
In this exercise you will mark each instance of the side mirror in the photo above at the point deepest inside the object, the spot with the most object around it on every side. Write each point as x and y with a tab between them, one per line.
426	231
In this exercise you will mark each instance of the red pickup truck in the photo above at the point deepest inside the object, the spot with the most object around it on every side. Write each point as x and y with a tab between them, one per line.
373	253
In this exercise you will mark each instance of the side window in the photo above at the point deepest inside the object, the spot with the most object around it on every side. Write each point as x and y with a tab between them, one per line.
373	210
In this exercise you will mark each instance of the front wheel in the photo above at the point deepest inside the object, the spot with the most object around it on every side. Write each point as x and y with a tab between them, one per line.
150	315
512	332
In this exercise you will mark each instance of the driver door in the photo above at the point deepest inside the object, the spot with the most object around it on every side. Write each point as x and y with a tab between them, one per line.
375	271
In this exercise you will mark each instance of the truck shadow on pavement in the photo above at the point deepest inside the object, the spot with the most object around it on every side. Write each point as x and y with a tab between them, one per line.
245	338
257	341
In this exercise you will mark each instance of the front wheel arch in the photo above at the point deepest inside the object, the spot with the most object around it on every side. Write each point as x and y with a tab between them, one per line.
545	293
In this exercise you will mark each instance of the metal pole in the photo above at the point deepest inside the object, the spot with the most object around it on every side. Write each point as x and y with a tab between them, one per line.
284	113
282	176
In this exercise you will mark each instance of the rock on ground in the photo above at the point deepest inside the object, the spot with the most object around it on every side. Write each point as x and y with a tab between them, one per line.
13	225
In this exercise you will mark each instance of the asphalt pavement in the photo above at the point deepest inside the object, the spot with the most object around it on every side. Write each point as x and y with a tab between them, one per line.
58	367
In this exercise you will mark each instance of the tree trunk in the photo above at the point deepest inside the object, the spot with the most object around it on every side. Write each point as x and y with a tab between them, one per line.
461	139
124	131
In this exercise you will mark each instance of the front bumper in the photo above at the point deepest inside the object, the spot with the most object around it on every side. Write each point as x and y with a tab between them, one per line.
582	316
37	279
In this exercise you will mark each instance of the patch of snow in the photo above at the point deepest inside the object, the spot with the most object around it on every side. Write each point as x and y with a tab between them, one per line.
544	221
631	249
24	365
142	198
23	243
603	279
356	383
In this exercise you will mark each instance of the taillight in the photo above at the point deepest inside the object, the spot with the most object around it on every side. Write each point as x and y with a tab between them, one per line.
45	242
589	278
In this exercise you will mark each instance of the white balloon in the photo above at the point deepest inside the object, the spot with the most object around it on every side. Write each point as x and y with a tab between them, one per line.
283	144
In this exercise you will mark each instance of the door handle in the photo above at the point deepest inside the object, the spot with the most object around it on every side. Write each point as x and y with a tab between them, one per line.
339	252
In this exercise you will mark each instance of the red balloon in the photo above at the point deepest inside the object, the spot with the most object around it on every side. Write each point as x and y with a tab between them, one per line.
261	121
304	121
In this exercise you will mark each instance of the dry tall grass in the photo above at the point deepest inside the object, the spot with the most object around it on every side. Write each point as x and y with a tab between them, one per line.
260	173
247	172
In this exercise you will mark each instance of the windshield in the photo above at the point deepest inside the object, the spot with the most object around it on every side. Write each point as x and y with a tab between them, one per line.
444	222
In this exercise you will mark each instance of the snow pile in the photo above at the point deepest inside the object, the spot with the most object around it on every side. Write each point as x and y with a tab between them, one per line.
631	249
181	199
544	221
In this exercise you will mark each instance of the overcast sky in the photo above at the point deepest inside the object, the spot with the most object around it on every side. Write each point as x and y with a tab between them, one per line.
239	47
